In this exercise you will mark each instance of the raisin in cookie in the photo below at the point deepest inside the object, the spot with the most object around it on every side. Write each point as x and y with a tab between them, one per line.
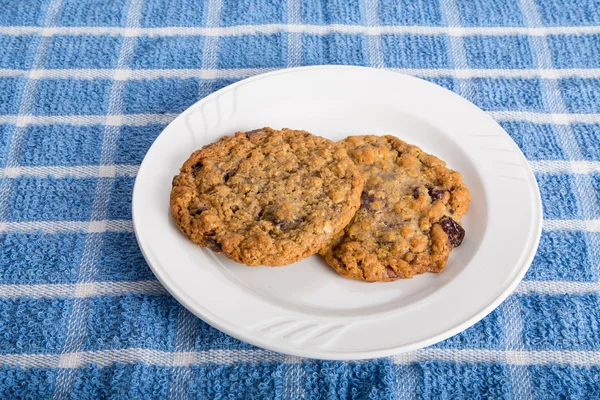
410	215
266	197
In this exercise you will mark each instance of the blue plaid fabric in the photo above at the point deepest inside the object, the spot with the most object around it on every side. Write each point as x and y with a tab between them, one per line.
87	85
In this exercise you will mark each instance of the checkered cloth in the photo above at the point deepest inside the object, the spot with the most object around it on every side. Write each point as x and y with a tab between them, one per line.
87	85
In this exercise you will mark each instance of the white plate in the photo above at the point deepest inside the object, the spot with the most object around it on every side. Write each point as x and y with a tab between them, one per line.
306	309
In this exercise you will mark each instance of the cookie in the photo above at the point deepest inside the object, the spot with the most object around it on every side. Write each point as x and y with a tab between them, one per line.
410	213
266	197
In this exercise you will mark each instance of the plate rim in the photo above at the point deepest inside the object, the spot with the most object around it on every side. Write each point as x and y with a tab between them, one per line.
216	321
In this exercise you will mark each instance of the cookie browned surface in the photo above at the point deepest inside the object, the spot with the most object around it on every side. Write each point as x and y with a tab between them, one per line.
266	197
410	215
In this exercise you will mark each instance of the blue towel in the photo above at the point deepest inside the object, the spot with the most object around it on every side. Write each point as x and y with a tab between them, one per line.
87	85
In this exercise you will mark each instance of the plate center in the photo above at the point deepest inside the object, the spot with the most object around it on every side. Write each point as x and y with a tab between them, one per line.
311	285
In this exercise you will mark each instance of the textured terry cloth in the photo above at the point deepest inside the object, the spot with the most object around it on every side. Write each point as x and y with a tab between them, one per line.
87	85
